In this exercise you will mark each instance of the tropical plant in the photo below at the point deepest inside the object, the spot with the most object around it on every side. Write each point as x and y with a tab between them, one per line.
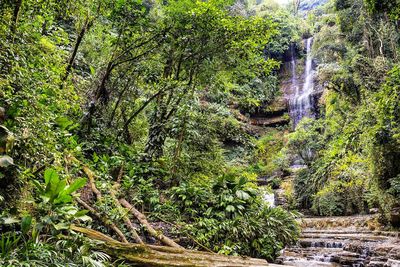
55	202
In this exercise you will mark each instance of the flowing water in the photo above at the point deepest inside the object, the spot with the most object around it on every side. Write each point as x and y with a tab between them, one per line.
301	102
270	199
343	242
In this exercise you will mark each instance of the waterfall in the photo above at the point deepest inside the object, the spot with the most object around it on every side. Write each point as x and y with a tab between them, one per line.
301	103
269	198
295	83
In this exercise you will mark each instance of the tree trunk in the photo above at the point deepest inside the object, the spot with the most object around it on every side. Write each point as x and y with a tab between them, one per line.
107	222
142	219
177	152
157	256
17	8
100	94
78	42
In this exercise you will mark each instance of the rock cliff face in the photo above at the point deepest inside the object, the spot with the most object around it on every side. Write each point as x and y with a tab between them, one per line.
299	95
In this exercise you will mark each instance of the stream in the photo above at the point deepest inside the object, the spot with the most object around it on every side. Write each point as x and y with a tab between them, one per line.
353	241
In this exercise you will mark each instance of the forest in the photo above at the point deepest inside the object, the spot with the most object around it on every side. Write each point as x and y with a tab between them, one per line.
199	132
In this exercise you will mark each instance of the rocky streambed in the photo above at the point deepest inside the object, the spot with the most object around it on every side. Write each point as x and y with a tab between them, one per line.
354	241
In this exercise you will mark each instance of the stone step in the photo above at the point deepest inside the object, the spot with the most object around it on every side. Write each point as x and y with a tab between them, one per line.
361	222
307	263
376	264
334	231
350	231
387	263
321	243
344	241
393	263
323	255
361	237
313	252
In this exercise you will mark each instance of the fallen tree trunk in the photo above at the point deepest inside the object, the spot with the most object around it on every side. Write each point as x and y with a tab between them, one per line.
157	256
142	219
107	222
124	215
90	175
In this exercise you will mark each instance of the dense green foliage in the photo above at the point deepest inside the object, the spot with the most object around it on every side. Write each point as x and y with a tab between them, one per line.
157	102
142	93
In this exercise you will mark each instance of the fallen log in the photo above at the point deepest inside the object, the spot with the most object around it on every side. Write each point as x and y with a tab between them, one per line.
104	219
93	234
124	215
157	256
90	175
107	222
142	219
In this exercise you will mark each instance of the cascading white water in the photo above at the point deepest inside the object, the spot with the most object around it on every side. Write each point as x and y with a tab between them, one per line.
295	83
269	198
301	104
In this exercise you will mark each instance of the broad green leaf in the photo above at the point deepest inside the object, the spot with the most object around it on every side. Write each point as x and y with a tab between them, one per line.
54	187
49	175
78	183
64	122
92	70
61	226
81	213
59	188
242	181
45	198
63	199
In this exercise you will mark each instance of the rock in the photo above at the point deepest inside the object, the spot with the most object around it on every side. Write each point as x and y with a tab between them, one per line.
382	250
376	264
392	263
395	252
356	247
373	211
395	217
270	122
